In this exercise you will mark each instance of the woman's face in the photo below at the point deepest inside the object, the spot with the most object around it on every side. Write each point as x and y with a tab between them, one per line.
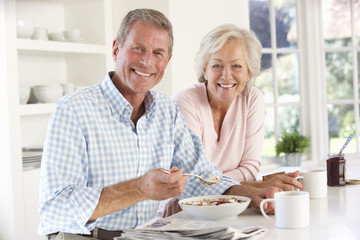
227	72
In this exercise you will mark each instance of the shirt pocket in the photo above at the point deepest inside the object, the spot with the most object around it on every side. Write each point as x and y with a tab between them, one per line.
163	155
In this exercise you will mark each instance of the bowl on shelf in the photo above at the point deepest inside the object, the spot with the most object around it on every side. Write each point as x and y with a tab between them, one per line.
72	35
24	92
56	36
214	207
24	27
48	93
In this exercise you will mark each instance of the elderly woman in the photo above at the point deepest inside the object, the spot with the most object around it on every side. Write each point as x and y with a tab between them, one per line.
226	111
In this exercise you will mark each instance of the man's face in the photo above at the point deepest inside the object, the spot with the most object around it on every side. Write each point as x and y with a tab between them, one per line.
141	61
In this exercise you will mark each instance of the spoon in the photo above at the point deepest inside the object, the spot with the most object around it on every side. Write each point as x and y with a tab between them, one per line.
346	143
207	182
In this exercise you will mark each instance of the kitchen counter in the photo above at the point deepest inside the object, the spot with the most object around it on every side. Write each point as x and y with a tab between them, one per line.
334	217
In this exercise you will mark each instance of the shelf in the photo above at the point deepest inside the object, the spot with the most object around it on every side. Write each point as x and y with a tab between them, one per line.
36	109
52	47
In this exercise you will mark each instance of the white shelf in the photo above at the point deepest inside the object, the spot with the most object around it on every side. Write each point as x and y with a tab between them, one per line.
36	109
37	46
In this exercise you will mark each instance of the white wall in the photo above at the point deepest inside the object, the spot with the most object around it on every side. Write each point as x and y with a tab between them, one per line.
191	20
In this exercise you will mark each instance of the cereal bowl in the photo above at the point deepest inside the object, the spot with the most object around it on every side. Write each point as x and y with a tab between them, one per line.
214	207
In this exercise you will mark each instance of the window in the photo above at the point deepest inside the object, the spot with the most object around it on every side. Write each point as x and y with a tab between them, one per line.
340	21
310	72
275	23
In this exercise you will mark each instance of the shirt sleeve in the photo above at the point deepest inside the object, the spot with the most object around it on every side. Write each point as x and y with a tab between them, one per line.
251	159
66	202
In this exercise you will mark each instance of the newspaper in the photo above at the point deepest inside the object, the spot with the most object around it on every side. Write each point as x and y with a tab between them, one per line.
171	228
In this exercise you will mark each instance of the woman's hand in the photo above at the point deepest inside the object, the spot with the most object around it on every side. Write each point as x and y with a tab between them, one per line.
286	182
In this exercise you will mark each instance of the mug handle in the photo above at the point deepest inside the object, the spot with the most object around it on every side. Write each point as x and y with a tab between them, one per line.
262	206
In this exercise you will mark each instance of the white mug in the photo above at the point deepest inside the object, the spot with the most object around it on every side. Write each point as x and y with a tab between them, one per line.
314	182
40	33
291	209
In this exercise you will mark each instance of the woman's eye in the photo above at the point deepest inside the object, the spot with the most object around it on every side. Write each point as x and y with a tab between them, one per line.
237	66
217	66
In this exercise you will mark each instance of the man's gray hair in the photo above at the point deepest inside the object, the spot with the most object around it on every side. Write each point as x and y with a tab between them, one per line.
150	16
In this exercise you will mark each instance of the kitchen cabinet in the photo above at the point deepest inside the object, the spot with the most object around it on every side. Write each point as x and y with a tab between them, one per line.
83	62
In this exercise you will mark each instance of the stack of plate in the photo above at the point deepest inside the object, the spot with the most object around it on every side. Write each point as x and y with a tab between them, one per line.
31	158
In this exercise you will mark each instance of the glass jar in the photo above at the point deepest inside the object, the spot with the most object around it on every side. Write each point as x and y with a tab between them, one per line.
335	166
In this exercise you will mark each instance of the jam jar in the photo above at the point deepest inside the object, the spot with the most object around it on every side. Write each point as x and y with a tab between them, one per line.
335	165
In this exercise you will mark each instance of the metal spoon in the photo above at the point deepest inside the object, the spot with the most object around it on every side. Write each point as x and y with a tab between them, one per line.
346	143
207	182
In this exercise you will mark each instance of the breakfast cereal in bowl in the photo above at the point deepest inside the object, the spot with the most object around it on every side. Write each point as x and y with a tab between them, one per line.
214	207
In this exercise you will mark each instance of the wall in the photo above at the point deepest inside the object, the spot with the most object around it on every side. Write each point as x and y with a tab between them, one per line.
191	20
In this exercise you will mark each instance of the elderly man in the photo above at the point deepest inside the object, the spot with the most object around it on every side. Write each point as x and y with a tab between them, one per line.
107	145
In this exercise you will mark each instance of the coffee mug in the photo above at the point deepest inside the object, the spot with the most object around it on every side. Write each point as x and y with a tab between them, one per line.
291	209
314	182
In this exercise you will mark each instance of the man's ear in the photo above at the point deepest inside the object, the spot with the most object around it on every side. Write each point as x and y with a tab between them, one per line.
115	49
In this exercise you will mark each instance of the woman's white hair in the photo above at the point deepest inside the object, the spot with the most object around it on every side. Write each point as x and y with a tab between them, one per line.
217	38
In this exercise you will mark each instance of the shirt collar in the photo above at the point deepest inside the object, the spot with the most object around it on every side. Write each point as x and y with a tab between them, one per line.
117	102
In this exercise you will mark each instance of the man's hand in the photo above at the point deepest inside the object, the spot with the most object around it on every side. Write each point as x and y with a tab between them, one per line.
256	195
158	185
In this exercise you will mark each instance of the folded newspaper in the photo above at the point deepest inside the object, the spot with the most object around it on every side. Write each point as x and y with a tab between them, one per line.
171	228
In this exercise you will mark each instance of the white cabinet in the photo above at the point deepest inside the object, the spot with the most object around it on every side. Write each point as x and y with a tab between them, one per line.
84	63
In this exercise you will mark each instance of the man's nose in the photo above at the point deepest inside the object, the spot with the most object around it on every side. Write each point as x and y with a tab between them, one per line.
146	59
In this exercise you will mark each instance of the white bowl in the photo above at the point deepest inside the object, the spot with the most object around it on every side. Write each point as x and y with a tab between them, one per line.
56	36
72	35
24	92
24	27
221	211
47	93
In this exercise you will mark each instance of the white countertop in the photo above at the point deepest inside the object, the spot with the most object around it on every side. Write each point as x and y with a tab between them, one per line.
334	217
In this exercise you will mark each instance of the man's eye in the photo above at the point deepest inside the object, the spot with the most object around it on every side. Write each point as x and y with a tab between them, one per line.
136	49
159	54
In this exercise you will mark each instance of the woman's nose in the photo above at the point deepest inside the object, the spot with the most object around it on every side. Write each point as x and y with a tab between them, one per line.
226	74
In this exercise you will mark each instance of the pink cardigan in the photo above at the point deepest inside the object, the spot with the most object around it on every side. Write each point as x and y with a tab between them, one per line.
238	152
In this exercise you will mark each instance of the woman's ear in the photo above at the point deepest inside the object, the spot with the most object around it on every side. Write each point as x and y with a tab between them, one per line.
204	73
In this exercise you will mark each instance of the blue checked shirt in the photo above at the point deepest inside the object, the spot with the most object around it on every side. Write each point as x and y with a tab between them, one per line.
92	143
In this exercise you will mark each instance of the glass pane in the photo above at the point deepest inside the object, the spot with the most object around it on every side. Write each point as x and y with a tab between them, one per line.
339	74
265	80
341	120
260	21
358	69
286	29
357	21
269	141
288	77
289	118
336	23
